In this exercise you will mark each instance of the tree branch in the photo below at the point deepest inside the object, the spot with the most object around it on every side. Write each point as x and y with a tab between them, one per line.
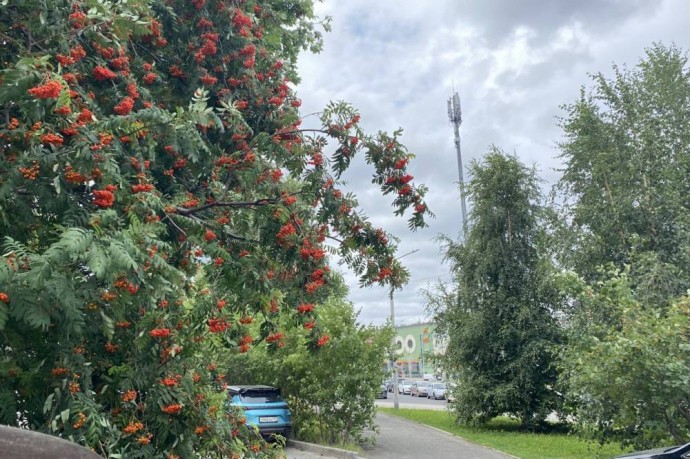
339	241
258	202
175	225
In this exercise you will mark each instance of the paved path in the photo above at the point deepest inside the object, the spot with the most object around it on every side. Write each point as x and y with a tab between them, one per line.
399	438
294	453
402	439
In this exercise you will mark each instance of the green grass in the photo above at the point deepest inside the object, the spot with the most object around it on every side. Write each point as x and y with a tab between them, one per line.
504	435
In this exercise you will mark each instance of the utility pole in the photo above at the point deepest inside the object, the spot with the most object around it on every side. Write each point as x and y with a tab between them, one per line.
396	405
455	116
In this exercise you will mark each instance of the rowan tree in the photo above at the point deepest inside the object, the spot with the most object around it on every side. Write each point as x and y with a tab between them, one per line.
142	144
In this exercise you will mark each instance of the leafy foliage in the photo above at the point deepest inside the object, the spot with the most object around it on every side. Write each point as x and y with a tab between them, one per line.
499	319
627	154
331	394
142	143
626	365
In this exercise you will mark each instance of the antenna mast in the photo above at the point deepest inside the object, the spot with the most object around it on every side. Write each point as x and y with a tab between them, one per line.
455	116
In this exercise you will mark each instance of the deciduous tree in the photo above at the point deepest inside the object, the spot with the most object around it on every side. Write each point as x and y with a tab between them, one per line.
627	156
499	318
144	141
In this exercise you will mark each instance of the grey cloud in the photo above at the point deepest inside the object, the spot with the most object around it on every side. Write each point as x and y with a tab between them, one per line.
499	18
396	61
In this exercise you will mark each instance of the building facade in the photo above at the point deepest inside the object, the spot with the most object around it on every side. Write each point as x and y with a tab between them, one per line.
414	349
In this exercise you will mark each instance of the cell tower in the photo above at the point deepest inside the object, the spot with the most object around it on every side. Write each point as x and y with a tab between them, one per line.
455	116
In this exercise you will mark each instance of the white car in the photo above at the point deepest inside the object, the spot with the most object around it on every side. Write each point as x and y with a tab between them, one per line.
436	391
405	387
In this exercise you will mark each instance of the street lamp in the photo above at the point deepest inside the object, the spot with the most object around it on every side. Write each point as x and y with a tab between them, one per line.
393	363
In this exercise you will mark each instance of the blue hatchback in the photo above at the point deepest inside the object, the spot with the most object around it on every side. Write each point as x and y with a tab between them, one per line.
263	407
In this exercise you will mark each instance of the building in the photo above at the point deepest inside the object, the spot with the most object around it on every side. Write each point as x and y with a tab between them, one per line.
415	347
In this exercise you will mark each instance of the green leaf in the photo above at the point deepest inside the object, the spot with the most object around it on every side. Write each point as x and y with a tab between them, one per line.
64	415
4	315
108	326
98	261
48	404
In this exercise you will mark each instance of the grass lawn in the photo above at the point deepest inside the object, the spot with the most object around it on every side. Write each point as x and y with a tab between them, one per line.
504	435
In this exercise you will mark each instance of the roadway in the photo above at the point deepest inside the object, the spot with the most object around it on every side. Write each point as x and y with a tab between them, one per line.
399	438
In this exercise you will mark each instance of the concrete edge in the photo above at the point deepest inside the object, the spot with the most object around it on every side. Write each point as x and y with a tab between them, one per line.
324	450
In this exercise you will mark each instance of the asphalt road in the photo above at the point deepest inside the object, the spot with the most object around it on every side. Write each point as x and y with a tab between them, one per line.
408	401
402	439
399	438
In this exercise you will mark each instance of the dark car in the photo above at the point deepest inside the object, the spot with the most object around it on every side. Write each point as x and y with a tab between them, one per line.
389	384
673	452
263	407
383	392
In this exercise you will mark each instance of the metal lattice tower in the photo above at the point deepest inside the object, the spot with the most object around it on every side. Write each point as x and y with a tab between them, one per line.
455	116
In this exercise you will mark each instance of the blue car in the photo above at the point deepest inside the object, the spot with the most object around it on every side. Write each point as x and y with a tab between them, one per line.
263	407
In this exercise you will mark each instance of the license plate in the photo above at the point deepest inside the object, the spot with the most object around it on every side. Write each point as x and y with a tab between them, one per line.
268	419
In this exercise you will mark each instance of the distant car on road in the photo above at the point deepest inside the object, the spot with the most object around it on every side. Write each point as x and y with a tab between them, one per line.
405	387
389	384
383	392
419	388
263	407
437	391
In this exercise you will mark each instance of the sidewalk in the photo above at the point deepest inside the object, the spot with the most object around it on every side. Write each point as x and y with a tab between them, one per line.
303	450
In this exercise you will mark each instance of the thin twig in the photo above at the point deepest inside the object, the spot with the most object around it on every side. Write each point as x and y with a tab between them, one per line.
258	202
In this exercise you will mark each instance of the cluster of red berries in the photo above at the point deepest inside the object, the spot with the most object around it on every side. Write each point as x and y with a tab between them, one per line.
159	333
305	308
104	198
103	74
125	106
50	90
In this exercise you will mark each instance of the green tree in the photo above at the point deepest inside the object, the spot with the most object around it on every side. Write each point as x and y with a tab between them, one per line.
627	365
144	142
499	319
331	394
627	158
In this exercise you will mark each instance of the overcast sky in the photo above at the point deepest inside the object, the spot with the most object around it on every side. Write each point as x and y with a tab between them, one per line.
513	64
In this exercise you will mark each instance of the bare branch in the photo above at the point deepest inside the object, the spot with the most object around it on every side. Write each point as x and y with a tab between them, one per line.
239	204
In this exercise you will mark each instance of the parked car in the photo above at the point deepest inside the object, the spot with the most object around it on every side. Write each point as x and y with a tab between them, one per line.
405	387
263	407
437	391
383	392
674	452
389	384
419	388
428	377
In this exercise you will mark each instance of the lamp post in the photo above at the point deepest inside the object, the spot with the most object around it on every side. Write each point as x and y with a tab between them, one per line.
396	405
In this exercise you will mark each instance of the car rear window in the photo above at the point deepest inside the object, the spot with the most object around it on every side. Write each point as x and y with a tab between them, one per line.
263	396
